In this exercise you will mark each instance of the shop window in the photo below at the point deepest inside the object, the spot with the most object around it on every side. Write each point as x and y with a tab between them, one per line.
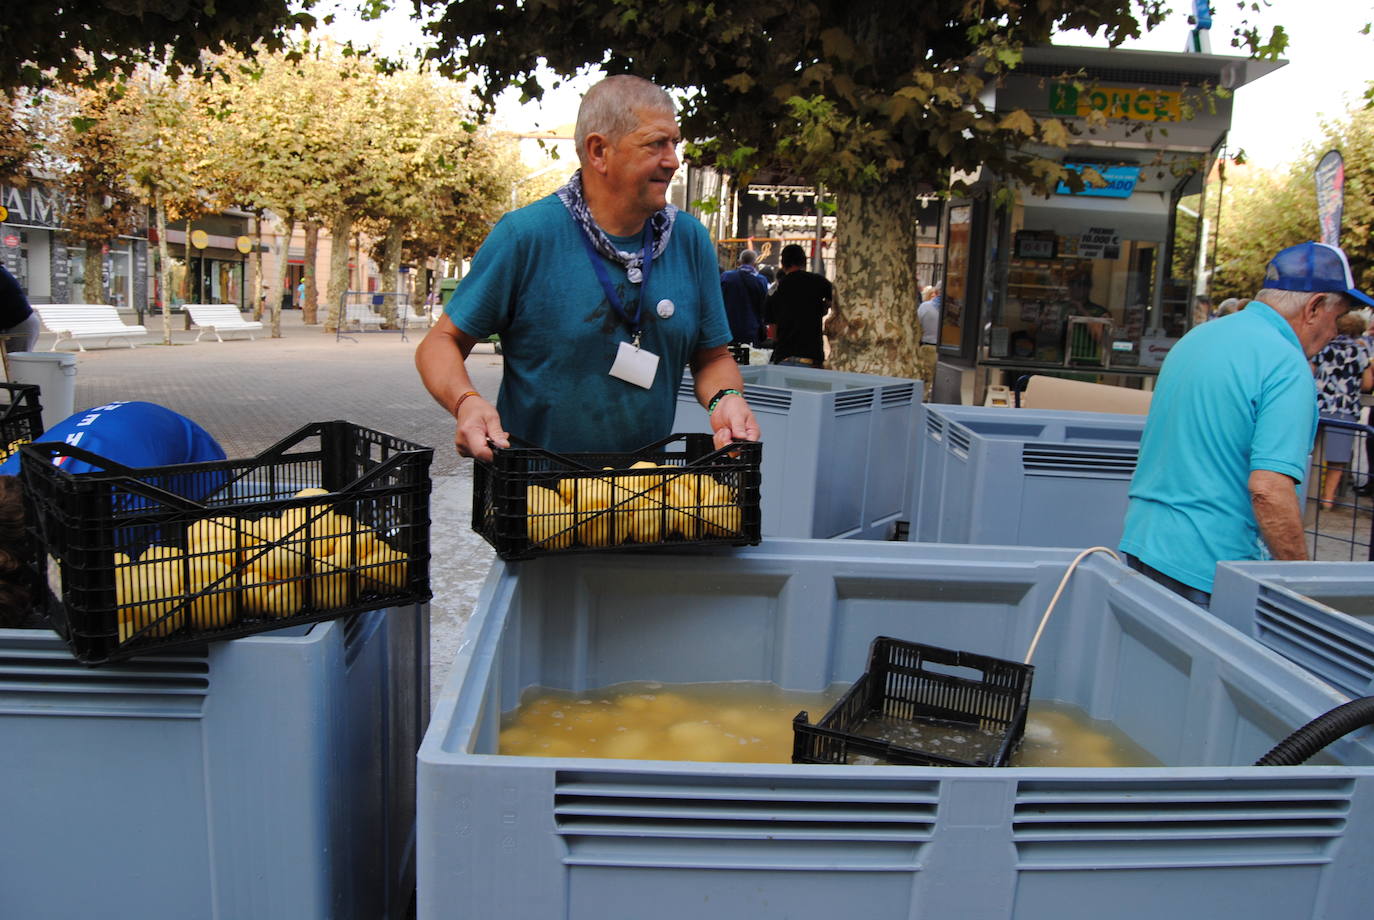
954	300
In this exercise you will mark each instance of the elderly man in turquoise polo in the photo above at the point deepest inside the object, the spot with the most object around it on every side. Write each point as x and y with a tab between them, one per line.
1231	426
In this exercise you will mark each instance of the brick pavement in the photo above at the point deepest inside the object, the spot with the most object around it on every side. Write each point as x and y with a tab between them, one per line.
251	394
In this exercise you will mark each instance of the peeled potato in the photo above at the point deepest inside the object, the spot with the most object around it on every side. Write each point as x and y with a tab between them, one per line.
594	498
550	519
274	563
385	568
215	607
332	584
218	538
721	515
146	593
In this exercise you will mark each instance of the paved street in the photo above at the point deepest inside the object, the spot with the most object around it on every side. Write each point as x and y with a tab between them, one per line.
251	394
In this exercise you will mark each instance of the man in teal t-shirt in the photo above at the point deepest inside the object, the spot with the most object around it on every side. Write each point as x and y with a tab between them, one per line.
1230	428
602	294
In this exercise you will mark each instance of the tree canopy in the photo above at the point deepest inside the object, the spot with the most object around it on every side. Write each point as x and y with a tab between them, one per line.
48	41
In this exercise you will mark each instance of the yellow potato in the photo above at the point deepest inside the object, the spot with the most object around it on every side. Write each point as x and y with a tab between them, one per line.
628	744
157	552
147	593
594	498
386	568
271	599
721	514
550	519
683	498
306	493
219	538
274	563
326	529
332	584
216	607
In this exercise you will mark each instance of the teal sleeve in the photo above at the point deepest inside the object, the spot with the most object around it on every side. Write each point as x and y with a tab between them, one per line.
482	303
1285	424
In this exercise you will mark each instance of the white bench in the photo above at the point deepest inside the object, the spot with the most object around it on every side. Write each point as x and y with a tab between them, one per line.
360	315
77	321
220	317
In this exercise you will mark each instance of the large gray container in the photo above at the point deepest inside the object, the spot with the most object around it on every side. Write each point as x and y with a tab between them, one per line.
1023	477
1317	614
590	839
838	448
269	776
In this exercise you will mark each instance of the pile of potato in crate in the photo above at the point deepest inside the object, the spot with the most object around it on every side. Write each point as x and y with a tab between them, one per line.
682	490
148	558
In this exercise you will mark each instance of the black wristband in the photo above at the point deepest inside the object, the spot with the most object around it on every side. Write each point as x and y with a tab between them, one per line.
711	406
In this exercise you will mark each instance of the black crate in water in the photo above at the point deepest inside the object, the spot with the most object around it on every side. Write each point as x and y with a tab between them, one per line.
924	705
332	520
21	417
680	491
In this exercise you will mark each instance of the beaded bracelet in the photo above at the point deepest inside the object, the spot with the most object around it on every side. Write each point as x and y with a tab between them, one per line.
711	406
459	404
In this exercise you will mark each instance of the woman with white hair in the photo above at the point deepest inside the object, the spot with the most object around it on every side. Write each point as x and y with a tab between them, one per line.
1344	371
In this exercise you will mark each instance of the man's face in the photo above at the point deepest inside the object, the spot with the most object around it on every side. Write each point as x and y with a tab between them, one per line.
641	164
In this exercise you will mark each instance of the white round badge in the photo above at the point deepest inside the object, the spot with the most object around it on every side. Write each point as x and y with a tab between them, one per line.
665	308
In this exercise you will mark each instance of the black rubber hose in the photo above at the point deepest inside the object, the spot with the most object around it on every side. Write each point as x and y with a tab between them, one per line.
1321	731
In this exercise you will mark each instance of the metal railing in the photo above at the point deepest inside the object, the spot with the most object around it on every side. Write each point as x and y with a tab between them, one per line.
1345	531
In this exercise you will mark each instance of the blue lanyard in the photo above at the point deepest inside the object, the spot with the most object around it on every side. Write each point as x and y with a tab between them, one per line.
631	320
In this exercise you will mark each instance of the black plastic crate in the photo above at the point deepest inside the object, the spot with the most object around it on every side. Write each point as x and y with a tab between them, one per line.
915	699
332	520
529	501
21	417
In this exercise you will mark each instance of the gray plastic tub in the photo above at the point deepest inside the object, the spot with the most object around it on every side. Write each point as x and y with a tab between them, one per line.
1317	614
838	448
269	776
1204	836
1023	477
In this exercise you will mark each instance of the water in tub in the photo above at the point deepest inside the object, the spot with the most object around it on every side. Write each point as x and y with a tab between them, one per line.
752	723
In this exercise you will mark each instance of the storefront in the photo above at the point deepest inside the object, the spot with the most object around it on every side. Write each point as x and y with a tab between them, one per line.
36	252
213	268
1082	282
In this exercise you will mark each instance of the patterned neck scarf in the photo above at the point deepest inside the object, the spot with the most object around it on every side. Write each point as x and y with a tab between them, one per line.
662	221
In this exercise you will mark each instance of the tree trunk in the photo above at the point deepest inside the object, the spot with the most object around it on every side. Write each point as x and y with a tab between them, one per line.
875	330
311	306
93	287
340	227
282	250
164	273
391	274
420	302
257	267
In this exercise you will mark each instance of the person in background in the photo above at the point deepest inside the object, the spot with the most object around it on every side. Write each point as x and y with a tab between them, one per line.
798	308
1366	488
1230	427
1344	372
1229	306
18	323
602	294
1202	309
745	291
133	434
928	316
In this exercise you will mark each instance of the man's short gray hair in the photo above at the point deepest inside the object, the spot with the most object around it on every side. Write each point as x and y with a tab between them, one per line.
748	257
1288	303
611	108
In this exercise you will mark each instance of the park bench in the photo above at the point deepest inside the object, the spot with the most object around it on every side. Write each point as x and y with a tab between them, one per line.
78	321
360	315
220	317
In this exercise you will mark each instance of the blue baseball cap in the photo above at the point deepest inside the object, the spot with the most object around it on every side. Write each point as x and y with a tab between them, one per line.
1313	268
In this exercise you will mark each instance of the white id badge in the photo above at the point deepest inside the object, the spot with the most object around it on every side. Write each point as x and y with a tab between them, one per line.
635	365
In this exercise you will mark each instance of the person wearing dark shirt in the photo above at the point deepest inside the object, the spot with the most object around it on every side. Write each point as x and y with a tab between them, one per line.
797	307
19	325
745	292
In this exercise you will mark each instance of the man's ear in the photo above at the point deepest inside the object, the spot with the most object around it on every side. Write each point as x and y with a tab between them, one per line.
596	147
